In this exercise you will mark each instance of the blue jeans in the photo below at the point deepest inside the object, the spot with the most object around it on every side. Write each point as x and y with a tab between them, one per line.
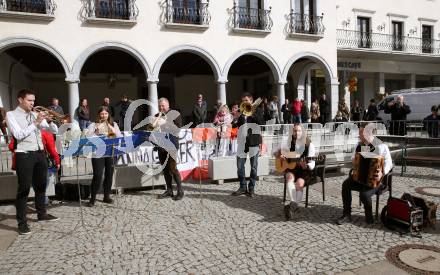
297	118
242	173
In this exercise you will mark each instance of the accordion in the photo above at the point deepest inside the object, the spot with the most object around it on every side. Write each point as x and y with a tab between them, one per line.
368	169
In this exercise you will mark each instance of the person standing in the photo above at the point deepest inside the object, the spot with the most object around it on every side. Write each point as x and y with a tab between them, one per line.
315	112
103	125
249	146
324	107
398	110
371	112
296	111
83	114
356	111
286	110
273	109
223	122
170	123
123	104
343	108
107	104
432	123
56	108
31	164
305	115
199	112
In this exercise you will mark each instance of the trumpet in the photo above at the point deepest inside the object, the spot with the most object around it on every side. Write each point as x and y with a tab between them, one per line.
54	116
248	109
154	126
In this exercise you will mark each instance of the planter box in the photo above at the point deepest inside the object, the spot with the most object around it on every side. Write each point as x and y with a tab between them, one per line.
131	176
222	168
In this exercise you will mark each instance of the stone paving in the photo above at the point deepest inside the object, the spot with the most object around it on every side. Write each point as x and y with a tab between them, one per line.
210	231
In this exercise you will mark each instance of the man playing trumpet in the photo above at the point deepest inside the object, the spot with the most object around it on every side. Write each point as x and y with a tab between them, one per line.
31	164
249	145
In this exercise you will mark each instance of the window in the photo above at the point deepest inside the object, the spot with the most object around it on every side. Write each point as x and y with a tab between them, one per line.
363	24
397	36
427	39
30	6
250	14
186	11
112	9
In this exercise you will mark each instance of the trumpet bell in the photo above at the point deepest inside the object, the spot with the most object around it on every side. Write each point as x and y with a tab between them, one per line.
52	114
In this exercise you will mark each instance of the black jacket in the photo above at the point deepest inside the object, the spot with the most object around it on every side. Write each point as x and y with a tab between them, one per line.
397	111
199	114
257	117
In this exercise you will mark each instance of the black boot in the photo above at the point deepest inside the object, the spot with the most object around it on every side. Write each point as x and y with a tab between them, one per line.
179	195
240	191
346	218
369	216
107	199
166	194
91	202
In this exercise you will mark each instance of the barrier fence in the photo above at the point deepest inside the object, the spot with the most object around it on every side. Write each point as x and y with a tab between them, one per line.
331	138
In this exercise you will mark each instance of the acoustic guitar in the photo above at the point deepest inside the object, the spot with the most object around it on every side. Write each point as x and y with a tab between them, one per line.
291	160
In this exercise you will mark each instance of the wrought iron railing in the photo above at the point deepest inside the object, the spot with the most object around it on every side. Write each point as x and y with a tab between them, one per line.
305	24
182	12
250	18
113	9
29	6
386	42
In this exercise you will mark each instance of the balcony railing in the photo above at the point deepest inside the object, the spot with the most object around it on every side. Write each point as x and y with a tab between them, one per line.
112	9
28	6
250	18
300	23
385	42
179	12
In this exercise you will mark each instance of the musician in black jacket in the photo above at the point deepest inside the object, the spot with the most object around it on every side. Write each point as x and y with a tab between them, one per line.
296	178
249	142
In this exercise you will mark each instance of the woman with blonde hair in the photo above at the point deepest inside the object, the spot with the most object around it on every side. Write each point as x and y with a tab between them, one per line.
223	122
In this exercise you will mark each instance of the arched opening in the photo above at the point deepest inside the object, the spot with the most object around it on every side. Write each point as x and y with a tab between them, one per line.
112	73
27	66
308	79
184	75
250	74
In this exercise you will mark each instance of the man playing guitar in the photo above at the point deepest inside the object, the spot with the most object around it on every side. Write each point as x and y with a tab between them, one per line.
300	148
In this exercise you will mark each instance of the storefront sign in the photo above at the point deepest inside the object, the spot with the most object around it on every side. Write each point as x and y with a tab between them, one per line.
348	65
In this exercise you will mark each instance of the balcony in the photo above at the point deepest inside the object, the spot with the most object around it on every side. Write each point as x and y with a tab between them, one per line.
251	20
28	9
378	42
184	14
305	26
117	12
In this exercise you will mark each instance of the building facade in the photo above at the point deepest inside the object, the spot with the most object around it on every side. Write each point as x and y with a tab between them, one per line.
387	45
172	48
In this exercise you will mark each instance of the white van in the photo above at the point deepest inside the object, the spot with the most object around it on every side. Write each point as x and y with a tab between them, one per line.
420	101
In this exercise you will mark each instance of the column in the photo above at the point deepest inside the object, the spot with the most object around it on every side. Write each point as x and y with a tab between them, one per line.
333	94
413	81
281	98
347	97
382	83
309	88
152	96
73	95
221	91
301	91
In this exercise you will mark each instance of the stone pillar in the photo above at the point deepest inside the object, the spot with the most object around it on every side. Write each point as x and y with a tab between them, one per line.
152	96
333	96
281	97
309	89
73	96
413	81
301	91
221	91
381	83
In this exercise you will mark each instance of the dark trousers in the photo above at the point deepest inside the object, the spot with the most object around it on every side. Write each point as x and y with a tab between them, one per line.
398	128
170	171
31	170
365	196
99	165
241	173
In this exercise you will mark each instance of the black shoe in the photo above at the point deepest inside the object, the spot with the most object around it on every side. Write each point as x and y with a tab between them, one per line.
166	194
107	200
24	230
251	193
47	217
91	203
179	196
346	218
239	192
369	219
287	212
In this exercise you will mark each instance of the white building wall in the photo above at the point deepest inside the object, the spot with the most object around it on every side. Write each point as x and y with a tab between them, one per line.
21	78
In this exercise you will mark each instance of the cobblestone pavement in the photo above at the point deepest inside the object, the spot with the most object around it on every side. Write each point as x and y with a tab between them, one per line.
210	231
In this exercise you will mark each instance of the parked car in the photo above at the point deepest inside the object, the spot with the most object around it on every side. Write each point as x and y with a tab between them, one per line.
419	100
